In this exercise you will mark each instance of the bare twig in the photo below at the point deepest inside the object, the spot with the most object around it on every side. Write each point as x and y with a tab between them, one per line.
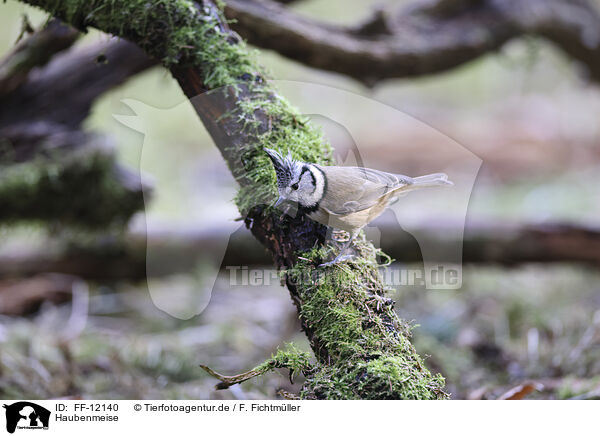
227	381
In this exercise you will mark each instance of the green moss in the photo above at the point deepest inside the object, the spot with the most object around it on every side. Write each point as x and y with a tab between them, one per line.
388	377
367	347
290	358
175	31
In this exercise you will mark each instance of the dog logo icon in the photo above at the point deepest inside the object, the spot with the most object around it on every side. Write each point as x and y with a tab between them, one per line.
26	415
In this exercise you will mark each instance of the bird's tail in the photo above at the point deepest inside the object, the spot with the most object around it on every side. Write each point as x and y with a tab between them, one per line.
428	181
431	180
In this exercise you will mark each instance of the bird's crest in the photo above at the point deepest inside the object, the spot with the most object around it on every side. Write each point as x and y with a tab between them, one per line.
284	166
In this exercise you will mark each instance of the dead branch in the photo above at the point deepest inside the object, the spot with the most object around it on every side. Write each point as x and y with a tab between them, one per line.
425	38
35	51
75	79
227	381
489	243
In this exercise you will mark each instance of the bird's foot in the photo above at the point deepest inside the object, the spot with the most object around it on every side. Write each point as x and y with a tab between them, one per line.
340	236
338	259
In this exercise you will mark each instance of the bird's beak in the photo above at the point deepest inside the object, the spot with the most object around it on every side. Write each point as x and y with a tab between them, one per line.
279	202
286	206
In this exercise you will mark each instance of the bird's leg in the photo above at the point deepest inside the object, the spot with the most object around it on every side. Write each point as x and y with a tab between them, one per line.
342	256
334	235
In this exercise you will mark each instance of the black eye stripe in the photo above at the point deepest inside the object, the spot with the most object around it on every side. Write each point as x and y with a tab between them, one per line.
314	180
304	169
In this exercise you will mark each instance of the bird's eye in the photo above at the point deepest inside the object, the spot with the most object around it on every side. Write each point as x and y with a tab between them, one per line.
295	186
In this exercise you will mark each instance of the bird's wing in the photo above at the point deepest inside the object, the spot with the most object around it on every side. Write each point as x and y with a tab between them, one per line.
352	189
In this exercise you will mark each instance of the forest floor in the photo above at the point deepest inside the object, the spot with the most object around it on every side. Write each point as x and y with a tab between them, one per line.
535	328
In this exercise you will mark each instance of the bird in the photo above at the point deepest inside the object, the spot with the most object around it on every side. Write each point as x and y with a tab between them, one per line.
342	197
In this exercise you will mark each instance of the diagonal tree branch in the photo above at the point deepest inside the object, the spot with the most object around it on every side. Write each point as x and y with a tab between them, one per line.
361	346
427	37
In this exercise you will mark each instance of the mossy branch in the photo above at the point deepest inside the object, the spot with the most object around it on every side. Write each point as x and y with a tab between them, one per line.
84	188
362	348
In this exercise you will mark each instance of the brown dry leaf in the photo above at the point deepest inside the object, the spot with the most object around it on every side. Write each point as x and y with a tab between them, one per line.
521	391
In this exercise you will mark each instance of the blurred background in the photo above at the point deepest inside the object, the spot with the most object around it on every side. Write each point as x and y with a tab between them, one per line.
78	318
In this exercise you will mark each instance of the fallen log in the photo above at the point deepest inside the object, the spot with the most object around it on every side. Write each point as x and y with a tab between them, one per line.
182	250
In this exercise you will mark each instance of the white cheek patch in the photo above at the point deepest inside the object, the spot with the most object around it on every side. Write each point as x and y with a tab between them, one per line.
319	185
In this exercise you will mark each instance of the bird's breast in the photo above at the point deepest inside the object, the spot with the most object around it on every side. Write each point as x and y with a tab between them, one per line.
350	223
